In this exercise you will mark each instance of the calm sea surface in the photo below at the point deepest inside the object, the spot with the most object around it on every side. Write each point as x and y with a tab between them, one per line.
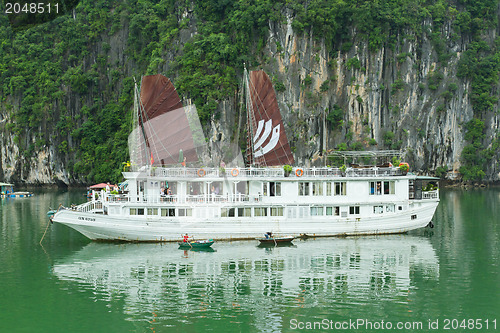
446	279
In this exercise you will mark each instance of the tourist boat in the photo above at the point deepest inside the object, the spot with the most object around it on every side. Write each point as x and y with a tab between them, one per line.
198	244
173	189
7	191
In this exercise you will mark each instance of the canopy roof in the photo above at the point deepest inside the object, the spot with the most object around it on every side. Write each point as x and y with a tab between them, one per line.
6	184
101	185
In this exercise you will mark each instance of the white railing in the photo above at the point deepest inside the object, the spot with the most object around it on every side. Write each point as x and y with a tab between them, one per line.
430	194
277	172
89	206
168	199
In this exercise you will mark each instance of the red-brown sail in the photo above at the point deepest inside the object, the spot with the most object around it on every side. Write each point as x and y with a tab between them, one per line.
165	134
268	143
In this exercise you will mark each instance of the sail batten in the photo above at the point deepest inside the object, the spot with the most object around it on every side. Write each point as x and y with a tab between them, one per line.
268	145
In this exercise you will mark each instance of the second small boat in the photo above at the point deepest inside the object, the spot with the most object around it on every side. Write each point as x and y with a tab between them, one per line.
270	239
199	244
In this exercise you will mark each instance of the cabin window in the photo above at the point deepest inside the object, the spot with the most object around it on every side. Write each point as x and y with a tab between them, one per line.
185	212
152	211
303	188
333	211
390	208
276	211
133	211
216	188
168	212
273	189
317	188
385	187
414	217
244	212
260	211
354	210
227	212
340	188
378	209
194	188
316	211
388	187
328	188
140	211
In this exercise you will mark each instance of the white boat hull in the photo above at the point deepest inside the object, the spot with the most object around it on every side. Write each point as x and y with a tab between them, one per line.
141	229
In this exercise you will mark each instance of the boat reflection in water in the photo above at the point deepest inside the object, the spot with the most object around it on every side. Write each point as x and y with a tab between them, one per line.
239	279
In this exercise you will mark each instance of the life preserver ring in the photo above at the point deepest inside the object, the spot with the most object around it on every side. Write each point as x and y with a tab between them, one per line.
299	172
235	172
201	172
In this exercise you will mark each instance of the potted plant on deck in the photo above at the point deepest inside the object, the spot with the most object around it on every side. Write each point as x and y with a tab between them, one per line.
288	170
404	167
343	170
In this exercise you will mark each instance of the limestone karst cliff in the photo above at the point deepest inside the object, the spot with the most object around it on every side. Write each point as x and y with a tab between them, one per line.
428	88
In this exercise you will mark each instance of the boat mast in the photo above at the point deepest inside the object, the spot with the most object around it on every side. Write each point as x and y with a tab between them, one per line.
251	123
250	118
139	117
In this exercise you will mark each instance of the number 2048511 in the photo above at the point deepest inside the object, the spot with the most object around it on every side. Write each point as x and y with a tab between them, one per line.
469	324
31	8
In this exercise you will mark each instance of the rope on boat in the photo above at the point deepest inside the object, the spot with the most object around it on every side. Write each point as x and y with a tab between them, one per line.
48	224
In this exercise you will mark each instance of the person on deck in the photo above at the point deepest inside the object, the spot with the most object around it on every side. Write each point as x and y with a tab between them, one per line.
185	238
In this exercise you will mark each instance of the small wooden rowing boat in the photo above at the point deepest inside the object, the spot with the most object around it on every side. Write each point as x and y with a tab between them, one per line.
276	240
198	244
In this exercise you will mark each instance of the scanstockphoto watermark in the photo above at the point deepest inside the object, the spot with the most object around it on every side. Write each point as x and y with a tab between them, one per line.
447	324
355	324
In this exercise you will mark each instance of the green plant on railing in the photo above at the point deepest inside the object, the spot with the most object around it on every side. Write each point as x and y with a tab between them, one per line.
404	168
288	170
343	168
430	187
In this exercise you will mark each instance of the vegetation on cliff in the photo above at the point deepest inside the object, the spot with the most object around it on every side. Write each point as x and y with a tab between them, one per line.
68	83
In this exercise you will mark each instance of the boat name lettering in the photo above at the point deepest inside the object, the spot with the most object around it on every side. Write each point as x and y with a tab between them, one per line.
86	218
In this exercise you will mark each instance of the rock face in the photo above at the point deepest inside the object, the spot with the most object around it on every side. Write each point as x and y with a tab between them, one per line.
386	99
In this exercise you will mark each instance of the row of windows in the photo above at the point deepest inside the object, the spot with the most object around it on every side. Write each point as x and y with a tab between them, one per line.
262	211
163	211
318	188
257	211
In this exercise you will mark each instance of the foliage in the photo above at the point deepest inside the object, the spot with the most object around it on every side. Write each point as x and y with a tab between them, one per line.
441	171
67	84
404	168
353	63
335	116
474	158
481	65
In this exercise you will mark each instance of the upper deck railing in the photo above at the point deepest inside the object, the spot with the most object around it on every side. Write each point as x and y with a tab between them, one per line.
272	172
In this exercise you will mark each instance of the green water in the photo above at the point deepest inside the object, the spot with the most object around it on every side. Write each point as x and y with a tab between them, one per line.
435	277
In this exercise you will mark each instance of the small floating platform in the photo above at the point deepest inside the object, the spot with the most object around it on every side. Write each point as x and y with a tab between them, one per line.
7	191
17	195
